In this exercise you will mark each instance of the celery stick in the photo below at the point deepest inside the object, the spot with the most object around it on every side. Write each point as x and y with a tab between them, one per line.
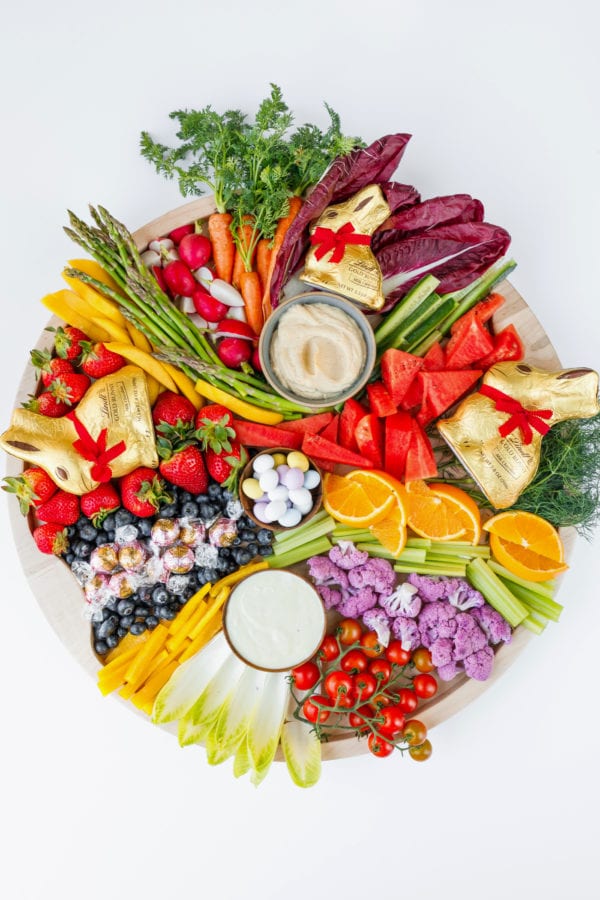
456	548
534	623
495	592
411	301
419	542
452	570
358	534
305	536
543	588
291	533
412	555
535	603
298	554
428	342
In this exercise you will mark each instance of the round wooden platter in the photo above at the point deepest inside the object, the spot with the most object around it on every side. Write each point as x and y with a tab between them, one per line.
60	597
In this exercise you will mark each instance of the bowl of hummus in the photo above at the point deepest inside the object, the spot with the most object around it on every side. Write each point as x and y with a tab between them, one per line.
317	349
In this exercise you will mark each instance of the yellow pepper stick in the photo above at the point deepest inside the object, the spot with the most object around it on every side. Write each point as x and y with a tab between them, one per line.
132	686
190	607
176	641
58	304
248	569
154	389
118	661
116	332
129	641
102	305
147	694
138	339
240	407
142	663
145	362
185	385
92	268
202	638
219	599
82	308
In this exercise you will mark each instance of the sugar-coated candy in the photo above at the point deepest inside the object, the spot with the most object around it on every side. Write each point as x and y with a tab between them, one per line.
179	559
132	556
105	558
165	532
263	462
122	584
222	533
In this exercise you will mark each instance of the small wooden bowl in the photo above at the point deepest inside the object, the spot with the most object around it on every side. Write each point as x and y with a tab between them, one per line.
247	503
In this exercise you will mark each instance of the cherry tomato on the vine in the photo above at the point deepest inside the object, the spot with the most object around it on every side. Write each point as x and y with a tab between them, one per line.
354	662
396	653
378	746
349	631
312	712
338	684
393	721
422	660
329	649
422	752
381	669
414	732
407	700
306	676
425	686
365	686
381	700
371	645
357	720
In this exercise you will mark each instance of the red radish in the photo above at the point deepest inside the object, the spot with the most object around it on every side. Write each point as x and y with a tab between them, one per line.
232	328
161	245
233	352
158	274
207	307
195	250
150	258
179	278
225	292
255	360
178	233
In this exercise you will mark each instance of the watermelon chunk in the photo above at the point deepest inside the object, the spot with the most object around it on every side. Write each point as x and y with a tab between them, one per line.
398	370
380	400
369	437
420	461
414	395
251	434
321	448
398	432
508	347
350	416
468	344
435	358
440	390
330	432
309	424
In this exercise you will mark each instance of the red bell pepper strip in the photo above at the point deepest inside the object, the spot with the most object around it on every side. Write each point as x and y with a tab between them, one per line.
369	437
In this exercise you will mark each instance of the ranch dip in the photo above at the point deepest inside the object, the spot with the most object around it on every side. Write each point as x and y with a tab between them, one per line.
317	350
274	620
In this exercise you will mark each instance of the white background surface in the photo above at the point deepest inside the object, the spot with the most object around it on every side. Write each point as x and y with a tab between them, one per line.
502	100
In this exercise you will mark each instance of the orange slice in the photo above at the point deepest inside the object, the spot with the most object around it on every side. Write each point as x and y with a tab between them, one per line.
527	545
379	486
468	509
442	512
349	503
391	531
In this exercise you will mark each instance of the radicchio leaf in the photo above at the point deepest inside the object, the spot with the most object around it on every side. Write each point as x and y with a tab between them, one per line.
347	175
398	197
451	210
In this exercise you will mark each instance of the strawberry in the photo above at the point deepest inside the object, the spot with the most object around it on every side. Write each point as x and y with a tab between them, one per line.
70	389
97	361
61	509
50	367
51	539
47	405
225	466
142	492
33	487
186	469
175	411
67	341
214	429
214	412
97	504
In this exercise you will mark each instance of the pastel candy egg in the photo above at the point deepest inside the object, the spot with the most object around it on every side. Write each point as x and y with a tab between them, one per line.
290	518
279	459
279	493
281	470
311	479
259	511
302	500
274	510
268	480
297	460
252	489
263	463
293	478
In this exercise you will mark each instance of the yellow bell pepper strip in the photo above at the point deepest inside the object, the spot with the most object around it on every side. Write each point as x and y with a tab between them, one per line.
58	303
92	268
138	339
185	385
103	306
240	407
144	361
116	332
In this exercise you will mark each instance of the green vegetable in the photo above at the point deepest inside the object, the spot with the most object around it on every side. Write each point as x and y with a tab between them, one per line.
203	715
485	580
319	526
231	727
266	723
302	750
241	762
297	554
413	300
189	680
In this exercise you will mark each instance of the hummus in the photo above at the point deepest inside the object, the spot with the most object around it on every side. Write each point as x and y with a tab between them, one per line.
317	350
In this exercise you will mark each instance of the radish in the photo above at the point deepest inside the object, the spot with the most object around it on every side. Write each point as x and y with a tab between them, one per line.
158	274
178	233
230	328
255	360
205	276
150	258
179	278
195	250
233	352
208	307
226	293
161	244
238	313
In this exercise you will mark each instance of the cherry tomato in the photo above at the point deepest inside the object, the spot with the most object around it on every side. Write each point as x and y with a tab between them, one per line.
314	713
378	746
338	684
393	721
365	686
345	701
329	649
382	670
407	700
306	676
357	719
381	700
422	660
425	686
422	752
349	631
370	644
354	661
396	654
414	732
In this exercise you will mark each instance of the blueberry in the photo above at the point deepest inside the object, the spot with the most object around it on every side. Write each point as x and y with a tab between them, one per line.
245	522
101	647
144	527
110	607
185	497
244	557
170	511
109	522
227	496
68	558
188	592
81	521
160	594
165	612
200	577
151	622
121	632
201	498
127	621
101	538
87	532
252	548
189	509
214	491
211	575
225	552
236	541
222	564
246	535
137	628
112	641
123	517
208	511
111	536
71	531
126	607
142	611
108	627
264	536
82	549
144	593
265	551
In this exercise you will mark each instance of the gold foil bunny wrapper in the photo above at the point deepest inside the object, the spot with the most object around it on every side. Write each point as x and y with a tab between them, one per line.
497	432
110	435
341	258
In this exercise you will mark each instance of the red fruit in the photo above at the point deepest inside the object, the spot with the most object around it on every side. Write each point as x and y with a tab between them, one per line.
186	469
208	307
69	389
225	467
97	504
251	434
255	360
508	347
178	233
469	343
380	400
435	358
350	416
369	438
142	492
51	539
420	460
50	367
97	361
398	370
330	432
234	351
179	279
31	488
312	424
314	445
214	412
160	278
214	428
61	509
195	250
67	341
47	405
174	410
398	434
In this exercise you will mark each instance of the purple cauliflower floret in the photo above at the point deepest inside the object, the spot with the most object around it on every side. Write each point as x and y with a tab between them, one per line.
405	601
461	595
495	627
436	620
330	597
479	664
430	587
442	652
354	605
377	621
469	637
449	671
346	556
406	631
323	571
376	573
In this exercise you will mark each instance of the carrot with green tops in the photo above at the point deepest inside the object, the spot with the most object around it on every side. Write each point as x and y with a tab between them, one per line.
263	257
251	292
295	205
223	247
245	242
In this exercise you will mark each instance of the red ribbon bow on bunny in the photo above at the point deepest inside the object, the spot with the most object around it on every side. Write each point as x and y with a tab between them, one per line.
520	417
336	241
95	450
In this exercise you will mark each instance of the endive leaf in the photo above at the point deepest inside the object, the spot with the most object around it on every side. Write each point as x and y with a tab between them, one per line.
241	763
302	750
234	717
265	725
208	705
188	681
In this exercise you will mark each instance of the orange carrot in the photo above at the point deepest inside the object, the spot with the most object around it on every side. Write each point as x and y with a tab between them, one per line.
263	257
280	232
223	247
244	258
252	294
